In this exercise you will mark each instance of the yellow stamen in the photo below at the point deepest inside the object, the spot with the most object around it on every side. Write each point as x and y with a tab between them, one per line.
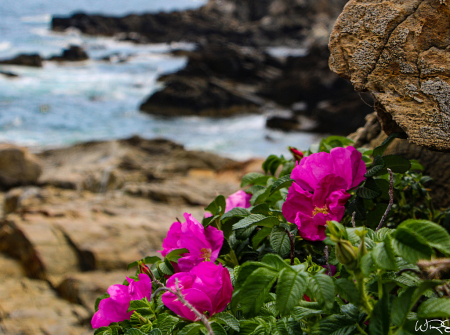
318	210
206	254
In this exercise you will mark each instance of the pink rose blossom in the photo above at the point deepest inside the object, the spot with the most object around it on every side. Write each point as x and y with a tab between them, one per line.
237	199
202	244
342	162
207	287
115	308
310	212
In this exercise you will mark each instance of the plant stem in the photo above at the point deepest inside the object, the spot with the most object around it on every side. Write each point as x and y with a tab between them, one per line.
361	330
391	200
292	242
327	255
362	291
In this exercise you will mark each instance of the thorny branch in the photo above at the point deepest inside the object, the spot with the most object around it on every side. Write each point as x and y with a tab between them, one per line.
353	220
181	298
391	200
292	242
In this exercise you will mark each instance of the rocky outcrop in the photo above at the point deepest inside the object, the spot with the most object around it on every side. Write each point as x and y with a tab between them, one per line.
399	51
73	54
33	60
436	164
18	166
244	22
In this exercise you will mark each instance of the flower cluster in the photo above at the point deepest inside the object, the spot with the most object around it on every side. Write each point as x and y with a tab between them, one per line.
115	308
319	192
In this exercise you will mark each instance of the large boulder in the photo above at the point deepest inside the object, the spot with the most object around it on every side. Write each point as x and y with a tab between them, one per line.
33	60
74	53
400	52
18	166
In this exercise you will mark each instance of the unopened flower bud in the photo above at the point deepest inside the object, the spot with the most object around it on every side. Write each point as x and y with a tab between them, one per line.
298	155
346	254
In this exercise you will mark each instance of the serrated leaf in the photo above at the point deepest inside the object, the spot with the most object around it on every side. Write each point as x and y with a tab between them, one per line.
100	331
347	290
367	264
377	165
434	308
425	232
217	206
217	329
401	306
300	312
334	325
322	288
379	151
256	287
379	321
228	320
279	241
176	254
260	236
275	262
254	178
283	182
136	304
384	256
134	331
166	323
191	329
155	332
256	220
369	190
271	164
410	249
397	164
290	289
236	212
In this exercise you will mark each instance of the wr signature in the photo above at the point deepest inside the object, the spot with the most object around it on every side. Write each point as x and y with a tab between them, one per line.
437	324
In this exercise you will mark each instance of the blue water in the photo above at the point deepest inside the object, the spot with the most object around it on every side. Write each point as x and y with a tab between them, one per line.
62	104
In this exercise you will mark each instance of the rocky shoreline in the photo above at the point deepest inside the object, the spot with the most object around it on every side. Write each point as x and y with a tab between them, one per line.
69	233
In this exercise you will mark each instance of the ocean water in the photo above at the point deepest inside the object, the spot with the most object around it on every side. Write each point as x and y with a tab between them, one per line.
62	104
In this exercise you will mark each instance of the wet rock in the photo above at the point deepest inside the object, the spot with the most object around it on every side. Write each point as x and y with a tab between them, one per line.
198	96
399	51
18	166
9	74
33	60
73	54
288	123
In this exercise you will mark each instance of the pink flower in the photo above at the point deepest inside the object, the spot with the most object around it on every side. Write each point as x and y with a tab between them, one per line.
342	162
203	244
298	155
237	199
207	287
114	308
310	212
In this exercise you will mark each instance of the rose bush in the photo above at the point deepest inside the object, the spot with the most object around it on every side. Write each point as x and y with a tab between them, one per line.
334	240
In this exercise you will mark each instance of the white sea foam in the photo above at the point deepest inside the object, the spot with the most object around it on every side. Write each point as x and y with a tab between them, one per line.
45	18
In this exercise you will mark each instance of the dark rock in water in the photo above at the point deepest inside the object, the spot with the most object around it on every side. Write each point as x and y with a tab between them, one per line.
342	115
33	60
73	54
283	123
9	74
198	96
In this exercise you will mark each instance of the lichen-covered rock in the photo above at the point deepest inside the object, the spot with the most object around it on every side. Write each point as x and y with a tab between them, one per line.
400	52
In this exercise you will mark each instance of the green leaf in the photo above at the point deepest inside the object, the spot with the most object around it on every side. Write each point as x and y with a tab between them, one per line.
271	164
401	306
334	325
166	323
426	232
434	308
290	289
300	312
397	164
383	255
409	248
322	288
191	329
279	241
254	178
151	259
227	319
136	304
379	321
134	331
260	236
357	206
347	290
379	151
155	332
416	166
260	209
236	212
257	287
283	182
275	262
369	190
367	264
217	206
256	220
377	165
176	254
